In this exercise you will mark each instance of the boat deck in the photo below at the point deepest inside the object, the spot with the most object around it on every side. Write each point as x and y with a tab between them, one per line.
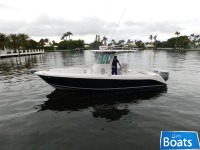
87	73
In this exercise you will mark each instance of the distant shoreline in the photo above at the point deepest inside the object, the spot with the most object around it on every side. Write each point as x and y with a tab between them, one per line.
164	49
169	49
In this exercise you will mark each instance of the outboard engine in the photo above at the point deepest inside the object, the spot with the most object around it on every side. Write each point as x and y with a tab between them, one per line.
164	74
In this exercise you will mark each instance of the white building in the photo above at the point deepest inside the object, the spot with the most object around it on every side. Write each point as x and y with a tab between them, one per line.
148	46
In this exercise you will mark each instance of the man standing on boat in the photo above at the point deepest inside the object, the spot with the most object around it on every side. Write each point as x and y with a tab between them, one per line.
114	65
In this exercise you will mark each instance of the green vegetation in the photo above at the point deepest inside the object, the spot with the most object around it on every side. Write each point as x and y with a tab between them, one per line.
17	41
140	44
178	42
182	42
23	41
72	44
65	35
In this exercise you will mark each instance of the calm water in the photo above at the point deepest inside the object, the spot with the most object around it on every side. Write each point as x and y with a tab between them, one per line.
35	116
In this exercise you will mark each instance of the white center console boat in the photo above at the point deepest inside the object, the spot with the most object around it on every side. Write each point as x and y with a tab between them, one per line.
99	77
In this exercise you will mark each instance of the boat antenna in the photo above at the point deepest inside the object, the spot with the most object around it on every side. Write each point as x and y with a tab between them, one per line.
117	24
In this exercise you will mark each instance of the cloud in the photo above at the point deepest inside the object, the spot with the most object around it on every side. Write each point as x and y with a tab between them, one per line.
6	7
3	6
142	30
153	27
12	26
45	26
41	19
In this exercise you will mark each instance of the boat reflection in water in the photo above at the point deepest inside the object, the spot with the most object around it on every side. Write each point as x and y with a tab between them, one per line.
109	105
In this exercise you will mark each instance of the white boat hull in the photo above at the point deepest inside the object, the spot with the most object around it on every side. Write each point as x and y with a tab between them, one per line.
82	79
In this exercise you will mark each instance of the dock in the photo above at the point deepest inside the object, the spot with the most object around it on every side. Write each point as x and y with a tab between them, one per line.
14	53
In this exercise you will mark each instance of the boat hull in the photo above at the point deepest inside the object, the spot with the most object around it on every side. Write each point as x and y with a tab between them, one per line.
70	83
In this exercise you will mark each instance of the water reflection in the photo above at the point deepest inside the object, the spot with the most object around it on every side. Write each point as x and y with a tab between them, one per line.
14	64
176	56
109	112
109	105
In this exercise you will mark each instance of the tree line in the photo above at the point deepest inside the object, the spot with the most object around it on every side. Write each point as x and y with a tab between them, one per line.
178	42
17	41
23	41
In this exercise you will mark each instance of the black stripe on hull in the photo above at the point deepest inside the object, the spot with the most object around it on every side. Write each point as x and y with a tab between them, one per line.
100	84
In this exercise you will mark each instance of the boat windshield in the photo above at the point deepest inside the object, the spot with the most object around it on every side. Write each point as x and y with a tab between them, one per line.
103	58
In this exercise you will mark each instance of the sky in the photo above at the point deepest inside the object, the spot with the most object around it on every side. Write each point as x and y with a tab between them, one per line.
114	19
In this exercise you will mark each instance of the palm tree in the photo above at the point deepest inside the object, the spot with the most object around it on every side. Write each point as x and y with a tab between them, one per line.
23	38
194	38
32	44
104	40
41	42
151	37
54	43
13	39
113	41
69	33
46	40
65	35
98	38
155	39
3	41
176	33
198	39
128	41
